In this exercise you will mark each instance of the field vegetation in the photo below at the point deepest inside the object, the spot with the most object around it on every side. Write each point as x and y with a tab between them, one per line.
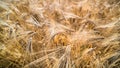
59	33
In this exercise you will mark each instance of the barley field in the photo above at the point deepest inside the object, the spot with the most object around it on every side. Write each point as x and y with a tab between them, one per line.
59	33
